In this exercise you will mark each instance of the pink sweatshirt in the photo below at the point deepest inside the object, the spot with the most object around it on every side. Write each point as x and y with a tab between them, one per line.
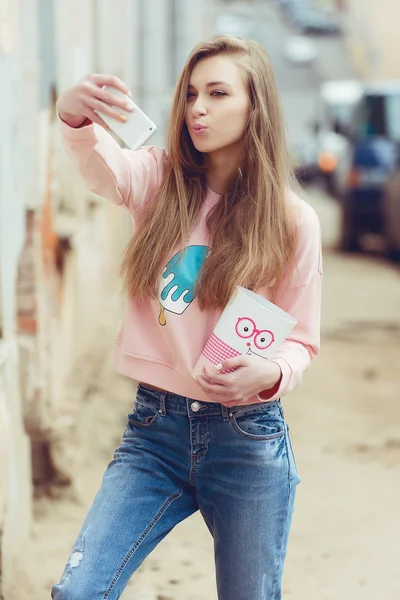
160	346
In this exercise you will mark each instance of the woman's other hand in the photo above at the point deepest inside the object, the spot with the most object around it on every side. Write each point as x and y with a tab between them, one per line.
251	376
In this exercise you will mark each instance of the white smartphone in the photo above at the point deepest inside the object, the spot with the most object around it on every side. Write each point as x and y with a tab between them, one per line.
137	128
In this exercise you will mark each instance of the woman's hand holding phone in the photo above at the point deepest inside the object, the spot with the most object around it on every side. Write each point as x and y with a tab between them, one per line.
78	103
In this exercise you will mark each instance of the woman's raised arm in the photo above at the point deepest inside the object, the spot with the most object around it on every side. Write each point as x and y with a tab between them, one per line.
125	177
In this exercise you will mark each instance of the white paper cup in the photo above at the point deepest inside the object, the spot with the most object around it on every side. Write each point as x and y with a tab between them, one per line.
249	325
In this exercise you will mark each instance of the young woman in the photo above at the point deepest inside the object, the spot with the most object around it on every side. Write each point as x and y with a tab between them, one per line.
213	211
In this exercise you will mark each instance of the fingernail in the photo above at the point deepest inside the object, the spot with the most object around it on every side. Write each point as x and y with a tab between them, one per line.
122	117
129	93
129	107
218	367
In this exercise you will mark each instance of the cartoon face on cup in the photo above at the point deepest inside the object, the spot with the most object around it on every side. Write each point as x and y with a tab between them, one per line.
256	339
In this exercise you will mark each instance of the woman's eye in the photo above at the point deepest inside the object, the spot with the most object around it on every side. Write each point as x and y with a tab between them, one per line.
190	95
218	93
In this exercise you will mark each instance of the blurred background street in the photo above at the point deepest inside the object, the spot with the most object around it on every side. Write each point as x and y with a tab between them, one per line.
63	408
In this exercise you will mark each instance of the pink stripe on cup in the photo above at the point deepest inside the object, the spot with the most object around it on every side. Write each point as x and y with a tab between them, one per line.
215	351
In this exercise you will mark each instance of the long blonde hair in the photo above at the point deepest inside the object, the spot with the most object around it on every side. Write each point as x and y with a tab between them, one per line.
251	228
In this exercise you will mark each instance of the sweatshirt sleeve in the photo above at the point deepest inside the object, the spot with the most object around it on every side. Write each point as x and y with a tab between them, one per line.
125	177
303	302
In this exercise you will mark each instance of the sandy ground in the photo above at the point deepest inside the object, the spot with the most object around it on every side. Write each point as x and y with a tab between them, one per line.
345	429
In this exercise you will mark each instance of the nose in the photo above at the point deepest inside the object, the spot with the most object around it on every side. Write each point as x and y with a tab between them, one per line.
198	108
248	343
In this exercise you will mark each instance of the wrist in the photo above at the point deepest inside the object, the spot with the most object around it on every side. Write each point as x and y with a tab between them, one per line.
271	387
273	376
74	121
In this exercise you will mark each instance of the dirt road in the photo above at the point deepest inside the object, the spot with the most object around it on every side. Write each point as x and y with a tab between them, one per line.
345	428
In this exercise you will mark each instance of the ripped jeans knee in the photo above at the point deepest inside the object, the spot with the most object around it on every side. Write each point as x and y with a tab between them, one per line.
63	591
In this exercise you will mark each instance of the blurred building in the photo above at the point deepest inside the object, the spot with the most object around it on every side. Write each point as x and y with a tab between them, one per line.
60	245
373	38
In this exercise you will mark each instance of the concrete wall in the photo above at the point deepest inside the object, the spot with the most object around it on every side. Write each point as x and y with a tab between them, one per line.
15	474
60	246
373	38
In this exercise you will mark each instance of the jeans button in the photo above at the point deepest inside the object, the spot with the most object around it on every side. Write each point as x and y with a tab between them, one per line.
195	406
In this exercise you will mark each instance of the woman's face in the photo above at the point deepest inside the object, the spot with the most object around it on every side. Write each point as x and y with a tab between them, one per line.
217	104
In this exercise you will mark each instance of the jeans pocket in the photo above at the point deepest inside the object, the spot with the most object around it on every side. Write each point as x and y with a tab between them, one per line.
259	423
144	415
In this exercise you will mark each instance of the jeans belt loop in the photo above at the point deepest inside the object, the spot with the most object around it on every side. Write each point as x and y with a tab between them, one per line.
225	414
163	409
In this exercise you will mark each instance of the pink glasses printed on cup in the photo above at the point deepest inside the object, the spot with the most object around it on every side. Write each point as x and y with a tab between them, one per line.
246	328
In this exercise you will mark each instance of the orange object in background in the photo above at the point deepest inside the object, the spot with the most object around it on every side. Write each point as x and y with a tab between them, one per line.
327	162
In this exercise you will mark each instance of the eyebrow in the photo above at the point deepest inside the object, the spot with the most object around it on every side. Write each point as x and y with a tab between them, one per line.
212	84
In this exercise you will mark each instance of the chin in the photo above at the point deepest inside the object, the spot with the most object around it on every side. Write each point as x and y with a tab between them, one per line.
201	145
206	146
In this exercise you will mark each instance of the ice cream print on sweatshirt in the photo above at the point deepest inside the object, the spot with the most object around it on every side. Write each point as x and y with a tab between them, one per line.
176	290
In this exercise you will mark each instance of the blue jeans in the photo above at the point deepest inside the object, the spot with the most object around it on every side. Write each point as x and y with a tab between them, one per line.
178	456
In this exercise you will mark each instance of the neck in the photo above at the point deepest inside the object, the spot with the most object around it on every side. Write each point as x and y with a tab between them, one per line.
221	166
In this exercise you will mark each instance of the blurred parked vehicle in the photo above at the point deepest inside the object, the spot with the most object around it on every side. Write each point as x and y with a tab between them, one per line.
312	21
391	214
324	152
308	18
300	50
371	203
336	108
